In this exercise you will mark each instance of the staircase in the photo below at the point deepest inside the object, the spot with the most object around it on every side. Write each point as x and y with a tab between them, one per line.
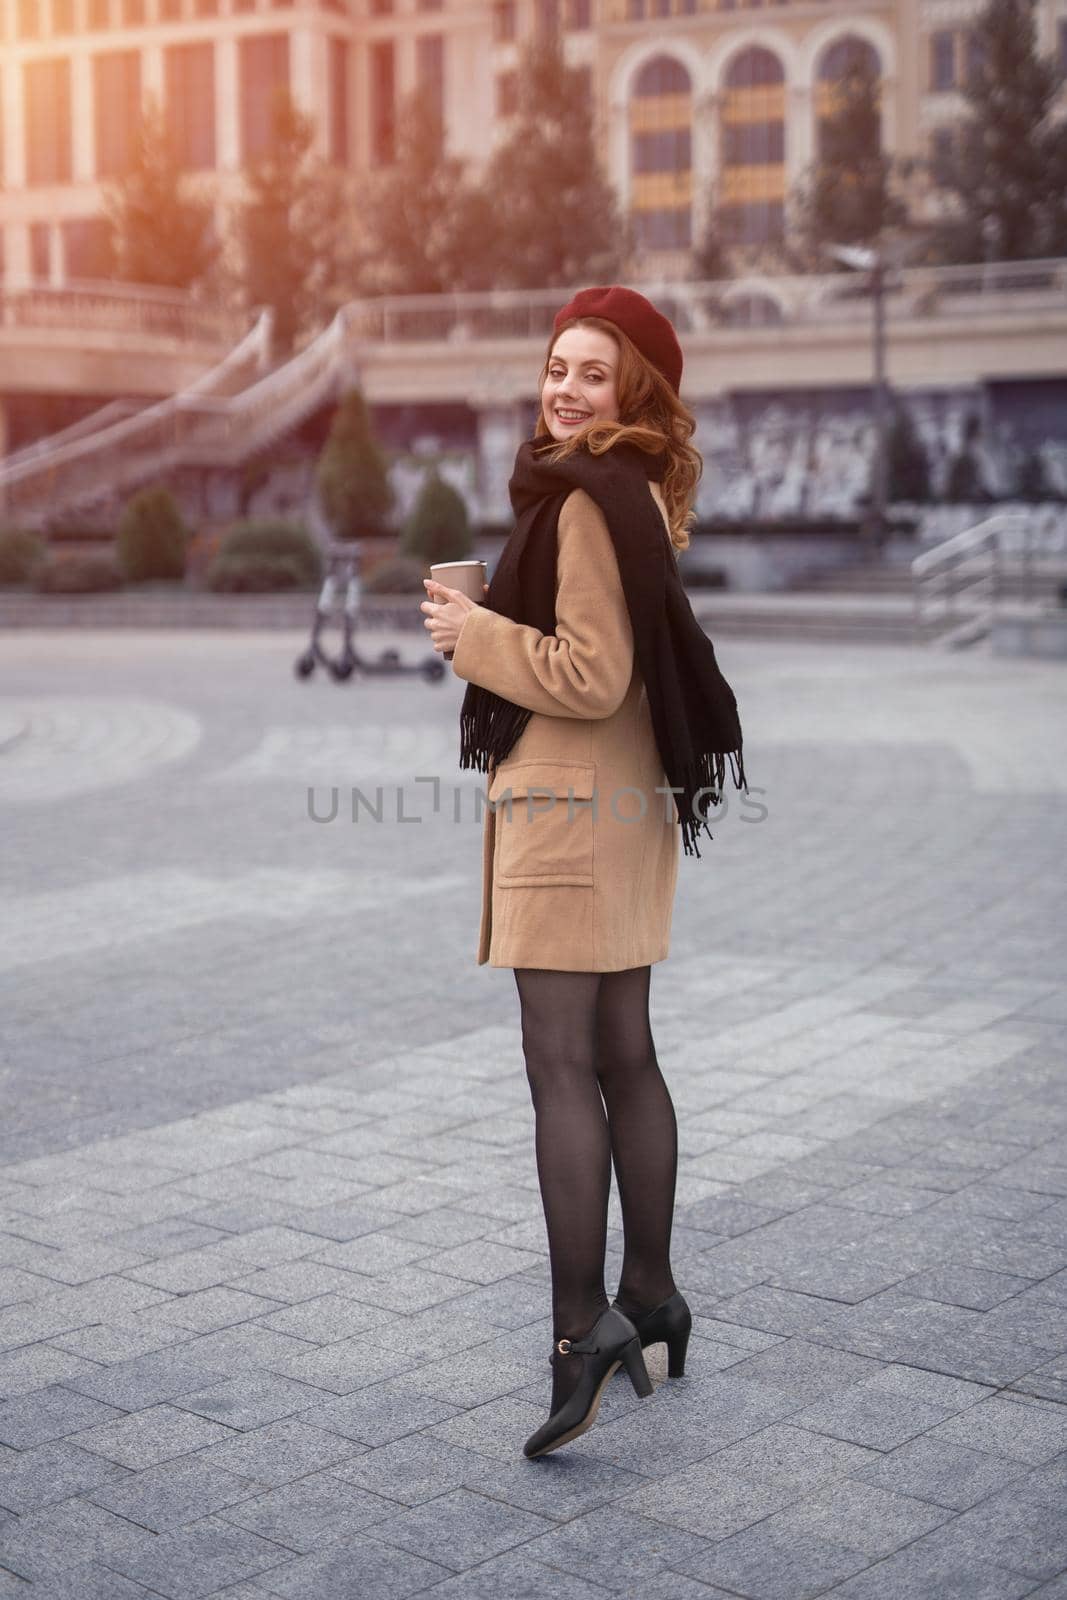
227	415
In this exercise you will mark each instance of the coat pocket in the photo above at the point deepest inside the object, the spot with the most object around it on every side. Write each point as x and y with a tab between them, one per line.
544	836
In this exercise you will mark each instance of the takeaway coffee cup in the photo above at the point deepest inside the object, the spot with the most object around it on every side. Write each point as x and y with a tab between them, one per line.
466	576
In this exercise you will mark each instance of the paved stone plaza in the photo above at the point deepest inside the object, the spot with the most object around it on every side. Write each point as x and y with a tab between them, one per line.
274	1313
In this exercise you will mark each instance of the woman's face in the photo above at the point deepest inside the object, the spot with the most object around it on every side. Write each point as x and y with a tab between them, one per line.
580	385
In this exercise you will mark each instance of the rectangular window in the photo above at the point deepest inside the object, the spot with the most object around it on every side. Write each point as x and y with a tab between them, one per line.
40	251
504	21
46	86
430	5
29	20
758	222
548	15
941	146
943	60
975	53
170	10
338	49
132	13
87	249
635	10
189	82
430	70
62	16
381	8
507	93
207	8
263	67
579	14
117	110
99	14
669	228
382	103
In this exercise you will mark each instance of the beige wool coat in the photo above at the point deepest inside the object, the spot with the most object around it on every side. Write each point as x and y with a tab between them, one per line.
578	870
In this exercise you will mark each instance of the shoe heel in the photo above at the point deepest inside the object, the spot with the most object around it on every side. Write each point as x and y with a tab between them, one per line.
634	1362
677	1343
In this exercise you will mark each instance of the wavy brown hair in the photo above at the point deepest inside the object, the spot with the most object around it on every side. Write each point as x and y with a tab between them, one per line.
651	416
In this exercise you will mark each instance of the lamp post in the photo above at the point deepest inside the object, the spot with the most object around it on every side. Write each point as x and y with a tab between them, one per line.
863	259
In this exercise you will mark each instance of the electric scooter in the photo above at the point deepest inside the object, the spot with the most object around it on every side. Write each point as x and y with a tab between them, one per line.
340	593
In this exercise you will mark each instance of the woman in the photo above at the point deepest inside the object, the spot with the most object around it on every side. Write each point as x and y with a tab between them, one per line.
596	705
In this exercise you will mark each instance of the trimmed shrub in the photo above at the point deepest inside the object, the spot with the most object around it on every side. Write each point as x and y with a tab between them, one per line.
22	553
438	528
352	473
395	575
254	574
908	466
152	536
964	485
264	554
79	574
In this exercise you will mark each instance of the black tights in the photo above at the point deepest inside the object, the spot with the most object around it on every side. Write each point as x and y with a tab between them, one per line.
598	1094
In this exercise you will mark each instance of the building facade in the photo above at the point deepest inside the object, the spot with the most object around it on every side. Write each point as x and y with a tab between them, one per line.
696	102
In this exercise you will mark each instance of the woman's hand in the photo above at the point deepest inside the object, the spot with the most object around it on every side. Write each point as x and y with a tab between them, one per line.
446	611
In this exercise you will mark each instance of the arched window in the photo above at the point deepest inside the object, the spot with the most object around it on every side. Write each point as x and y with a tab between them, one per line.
752	205
849	60
661	116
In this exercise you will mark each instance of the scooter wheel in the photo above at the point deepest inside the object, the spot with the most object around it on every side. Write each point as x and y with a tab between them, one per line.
305	666
341	670
433	671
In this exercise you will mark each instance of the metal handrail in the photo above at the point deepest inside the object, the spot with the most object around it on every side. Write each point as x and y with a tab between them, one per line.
252	350
956	586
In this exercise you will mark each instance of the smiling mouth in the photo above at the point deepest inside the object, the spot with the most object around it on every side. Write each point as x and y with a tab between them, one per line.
572	416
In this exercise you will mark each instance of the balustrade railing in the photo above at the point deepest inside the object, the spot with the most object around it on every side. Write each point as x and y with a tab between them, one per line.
89	306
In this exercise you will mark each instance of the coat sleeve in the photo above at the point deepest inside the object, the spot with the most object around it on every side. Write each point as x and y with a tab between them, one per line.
584	668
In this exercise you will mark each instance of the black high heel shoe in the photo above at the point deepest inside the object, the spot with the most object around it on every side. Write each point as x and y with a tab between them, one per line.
669	1322
611	1341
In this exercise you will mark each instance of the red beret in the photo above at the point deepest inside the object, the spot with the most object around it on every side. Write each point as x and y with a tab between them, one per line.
638	318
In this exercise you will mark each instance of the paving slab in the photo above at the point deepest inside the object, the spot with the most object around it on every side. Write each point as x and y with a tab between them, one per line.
274	1285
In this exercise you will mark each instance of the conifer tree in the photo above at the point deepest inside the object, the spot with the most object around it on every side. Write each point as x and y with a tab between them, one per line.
909	466
438	528
290	226
161	231
422	223
847	195
352	473
1007	169
555	215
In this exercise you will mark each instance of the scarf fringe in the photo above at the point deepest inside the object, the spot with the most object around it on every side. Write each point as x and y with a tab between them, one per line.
489	726
707	771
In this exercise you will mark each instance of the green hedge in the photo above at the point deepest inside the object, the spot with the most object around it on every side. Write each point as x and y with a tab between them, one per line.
22	555
438	528
262	554
152	537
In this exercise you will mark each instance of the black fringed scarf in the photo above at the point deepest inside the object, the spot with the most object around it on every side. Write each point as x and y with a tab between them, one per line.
694	712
